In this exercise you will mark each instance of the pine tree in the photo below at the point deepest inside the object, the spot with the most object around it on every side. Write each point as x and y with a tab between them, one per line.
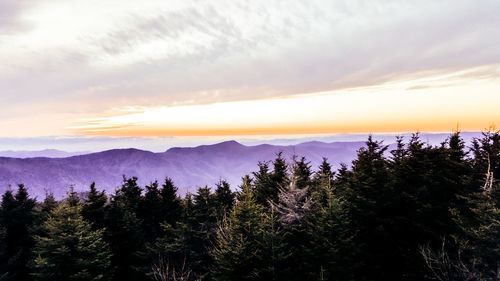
279	176
185	244
324	176
130	194
172	205
263	184
70	249
73	198
150	212
479	247
275	250
124	233
267	184
322	183
93	209
17	217
292	209
48	205
486	158
224	198
302	172
237	253
342	181
369	198
293	204
329	253
204	209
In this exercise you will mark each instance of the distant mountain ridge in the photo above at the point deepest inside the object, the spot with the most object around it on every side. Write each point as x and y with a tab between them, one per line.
50	153
189	167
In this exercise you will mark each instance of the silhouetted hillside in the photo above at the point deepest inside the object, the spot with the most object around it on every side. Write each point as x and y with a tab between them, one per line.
188	167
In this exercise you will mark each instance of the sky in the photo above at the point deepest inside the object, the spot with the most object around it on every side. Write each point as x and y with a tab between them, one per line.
160	69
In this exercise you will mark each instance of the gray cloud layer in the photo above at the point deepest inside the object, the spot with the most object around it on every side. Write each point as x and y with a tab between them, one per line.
232	50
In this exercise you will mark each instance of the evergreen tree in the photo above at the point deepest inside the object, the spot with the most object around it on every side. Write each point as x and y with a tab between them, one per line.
171	203
293	204
369	198
430	184
93	209
130	194
330	251
264	189
224	198
73	198
341	181
302	172
48	205
237	253
479	247
279	176
179	246
267	184
486	158
275	250
324	176
17	217
293	208
186	244
124	233
150	212
204	209
204	224
70	249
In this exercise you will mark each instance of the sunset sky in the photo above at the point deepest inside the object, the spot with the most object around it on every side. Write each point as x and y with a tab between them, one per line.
223	68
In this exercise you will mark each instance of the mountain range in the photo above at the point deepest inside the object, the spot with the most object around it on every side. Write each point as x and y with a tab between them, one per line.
188	167
51	153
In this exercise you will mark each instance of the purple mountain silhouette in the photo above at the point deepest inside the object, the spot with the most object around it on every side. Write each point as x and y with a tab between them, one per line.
188	167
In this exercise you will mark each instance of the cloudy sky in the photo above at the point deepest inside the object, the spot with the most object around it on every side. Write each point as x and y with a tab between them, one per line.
217	68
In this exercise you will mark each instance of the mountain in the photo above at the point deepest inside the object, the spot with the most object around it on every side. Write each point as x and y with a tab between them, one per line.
52	153
188	167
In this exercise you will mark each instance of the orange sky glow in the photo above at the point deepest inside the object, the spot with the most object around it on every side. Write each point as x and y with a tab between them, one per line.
232	67
394	107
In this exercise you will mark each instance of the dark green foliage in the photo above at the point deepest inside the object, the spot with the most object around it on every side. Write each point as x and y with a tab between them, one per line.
368	194
129	194
181	243
69	249
267	184
188	242
264	190
224	198
126	239
73	198
124	233
279	176
330	249
151	212
93	209
418	212
302	172
248	247
171	203
324	176
17	218
48	205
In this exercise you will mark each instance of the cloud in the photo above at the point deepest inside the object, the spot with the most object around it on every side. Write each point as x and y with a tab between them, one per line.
171	53
10	16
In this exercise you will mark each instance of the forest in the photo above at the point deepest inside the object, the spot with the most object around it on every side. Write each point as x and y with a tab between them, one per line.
416	212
